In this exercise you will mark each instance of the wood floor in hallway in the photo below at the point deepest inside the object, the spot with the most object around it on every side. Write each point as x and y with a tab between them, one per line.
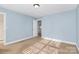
38	45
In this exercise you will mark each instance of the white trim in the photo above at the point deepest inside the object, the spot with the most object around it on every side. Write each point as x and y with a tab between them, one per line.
4	26
77	47
59	40
35	30
19	40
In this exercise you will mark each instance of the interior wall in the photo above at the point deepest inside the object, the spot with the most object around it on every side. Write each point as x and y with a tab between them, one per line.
18	26
60	26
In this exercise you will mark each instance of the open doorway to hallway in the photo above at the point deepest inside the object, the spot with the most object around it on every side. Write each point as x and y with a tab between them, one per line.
2	31
1	28
39	27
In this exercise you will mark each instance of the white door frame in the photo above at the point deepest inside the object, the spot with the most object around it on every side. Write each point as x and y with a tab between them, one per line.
4	27
35	28
35	31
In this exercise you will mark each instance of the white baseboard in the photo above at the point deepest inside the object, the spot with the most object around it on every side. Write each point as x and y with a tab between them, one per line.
77	47
59	40
18	40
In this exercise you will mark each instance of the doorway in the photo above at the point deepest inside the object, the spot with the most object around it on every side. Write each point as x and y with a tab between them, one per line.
2	28
39	27
37	30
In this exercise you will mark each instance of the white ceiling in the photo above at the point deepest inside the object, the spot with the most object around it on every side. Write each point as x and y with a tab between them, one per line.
43	10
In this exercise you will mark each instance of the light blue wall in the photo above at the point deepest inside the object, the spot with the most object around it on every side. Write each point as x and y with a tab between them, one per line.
60	26
18	26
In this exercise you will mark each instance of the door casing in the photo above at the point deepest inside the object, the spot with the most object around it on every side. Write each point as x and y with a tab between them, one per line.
4	15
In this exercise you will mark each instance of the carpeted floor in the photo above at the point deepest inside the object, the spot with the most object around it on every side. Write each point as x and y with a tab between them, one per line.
39	46
50	47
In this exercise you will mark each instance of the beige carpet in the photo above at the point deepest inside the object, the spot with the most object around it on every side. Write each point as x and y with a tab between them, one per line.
38	45
49	47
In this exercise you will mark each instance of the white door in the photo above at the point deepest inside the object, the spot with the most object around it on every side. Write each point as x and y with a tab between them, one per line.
35	31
